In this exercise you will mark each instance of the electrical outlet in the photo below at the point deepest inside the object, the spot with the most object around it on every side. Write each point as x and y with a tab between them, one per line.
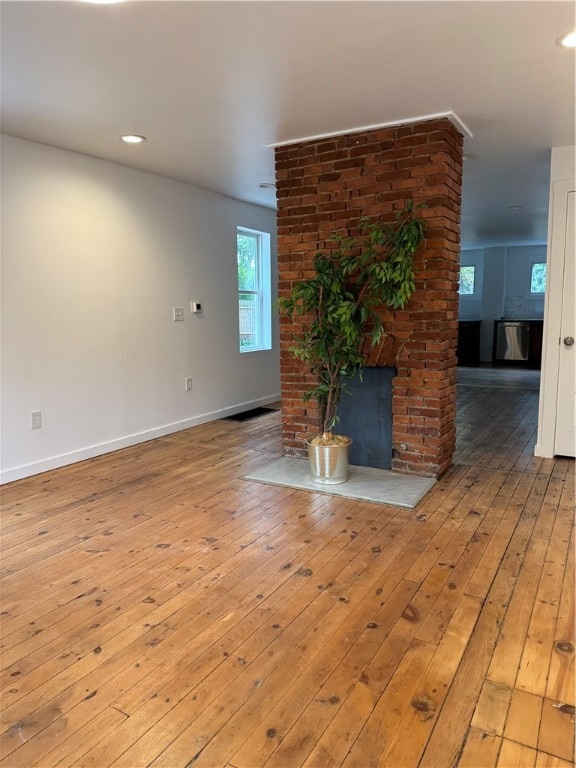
188	383
178	314
36	419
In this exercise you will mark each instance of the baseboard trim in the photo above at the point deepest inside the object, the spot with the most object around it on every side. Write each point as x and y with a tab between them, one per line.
542	453
91	451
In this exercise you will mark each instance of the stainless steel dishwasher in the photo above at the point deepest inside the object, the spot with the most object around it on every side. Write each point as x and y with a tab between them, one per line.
512	340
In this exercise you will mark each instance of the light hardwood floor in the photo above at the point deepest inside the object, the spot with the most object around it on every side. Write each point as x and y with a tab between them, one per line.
159	610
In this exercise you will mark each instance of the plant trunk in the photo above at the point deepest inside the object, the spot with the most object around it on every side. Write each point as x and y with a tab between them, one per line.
327	413
329	406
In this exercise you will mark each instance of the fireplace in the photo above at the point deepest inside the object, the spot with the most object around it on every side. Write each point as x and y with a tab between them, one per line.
366	417
328	185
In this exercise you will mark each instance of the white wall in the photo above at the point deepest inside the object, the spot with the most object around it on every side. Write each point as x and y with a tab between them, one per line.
471	305
94	258
519	303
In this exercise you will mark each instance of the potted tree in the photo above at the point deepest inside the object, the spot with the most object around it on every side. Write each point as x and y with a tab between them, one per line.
364	271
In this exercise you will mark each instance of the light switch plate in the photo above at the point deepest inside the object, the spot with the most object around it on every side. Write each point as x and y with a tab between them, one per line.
178	314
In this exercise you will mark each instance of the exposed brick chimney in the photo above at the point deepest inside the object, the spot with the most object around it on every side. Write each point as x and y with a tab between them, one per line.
329	185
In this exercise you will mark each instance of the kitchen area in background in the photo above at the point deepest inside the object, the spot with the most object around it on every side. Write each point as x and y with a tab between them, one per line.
502	306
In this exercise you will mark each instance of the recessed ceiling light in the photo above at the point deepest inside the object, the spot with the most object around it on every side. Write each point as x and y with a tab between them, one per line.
103	2
568	40
514	207
132	138
467	156
267	185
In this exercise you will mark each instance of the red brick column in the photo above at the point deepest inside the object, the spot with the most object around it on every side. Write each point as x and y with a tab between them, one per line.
328	185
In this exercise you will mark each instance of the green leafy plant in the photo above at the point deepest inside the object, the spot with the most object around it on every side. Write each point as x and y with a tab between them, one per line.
364	272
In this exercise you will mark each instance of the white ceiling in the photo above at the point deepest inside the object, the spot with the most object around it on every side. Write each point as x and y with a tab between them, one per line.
211	84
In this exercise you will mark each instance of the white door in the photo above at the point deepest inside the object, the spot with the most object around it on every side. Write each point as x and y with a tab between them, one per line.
565	439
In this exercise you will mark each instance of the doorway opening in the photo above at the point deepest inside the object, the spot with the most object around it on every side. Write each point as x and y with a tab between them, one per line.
496	416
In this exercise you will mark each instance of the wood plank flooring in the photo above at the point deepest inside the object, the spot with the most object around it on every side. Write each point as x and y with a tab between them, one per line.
158	610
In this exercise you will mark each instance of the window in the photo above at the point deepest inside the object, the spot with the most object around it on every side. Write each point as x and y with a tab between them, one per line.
466	282
538	277
254	303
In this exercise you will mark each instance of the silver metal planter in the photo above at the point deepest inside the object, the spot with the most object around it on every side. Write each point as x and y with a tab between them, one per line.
328	463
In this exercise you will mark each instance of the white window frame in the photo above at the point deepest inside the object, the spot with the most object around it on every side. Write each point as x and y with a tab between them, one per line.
262	291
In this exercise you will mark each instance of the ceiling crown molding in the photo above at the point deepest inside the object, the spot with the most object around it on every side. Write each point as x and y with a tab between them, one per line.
450	115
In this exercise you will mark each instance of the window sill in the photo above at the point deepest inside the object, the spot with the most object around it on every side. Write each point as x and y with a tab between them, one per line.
255	349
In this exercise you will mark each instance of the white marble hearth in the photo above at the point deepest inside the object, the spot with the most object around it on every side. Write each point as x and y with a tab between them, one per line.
366	483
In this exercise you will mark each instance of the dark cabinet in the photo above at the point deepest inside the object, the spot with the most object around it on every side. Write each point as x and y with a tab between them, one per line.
535	344
468	351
